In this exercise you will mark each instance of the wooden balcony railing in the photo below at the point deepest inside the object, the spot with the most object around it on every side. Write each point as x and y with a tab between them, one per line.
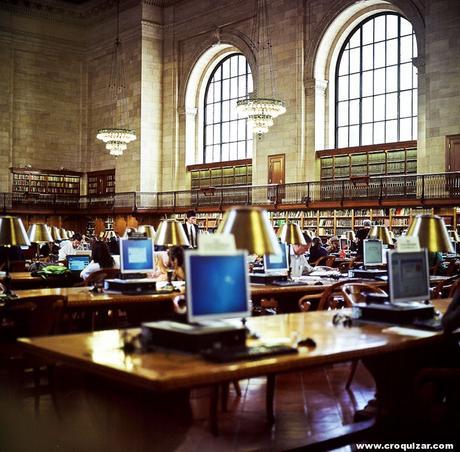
422	188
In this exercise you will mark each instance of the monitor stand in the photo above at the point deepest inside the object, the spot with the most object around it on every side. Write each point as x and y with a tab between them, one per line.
133	275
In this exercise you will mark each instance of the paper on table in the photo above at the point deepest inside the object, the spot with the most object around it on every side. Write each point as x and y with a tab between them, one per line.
408	331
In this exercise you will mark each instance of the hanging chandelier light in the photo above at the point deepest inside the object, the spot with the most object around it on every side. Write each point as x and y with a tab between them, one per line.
262	106
116	138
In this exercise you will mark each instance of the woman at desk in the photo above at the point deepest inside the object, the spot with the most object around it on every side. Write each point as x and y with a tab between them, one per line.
176	259
100	258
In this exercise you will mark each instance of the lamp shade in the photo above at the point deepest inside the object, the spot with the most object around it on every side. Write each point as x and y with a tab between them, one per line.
55	234
291	234
147	229
350	235
252	230
39	233
13	232
63	233
431	232
382	233
170	233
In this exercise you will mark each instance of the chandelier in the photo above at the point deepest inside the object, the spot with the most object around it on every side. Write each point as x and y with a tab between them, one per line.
116	138
262	106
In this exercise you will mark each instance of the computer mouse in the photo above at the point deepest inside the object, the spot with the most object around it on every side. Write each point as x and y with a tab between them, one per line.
307	342
318	283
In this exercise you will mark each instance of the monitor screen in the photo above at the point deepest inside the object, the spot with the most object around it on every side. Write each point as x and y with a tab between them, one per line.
277	262
136	256
217	285
77	263
408	276
373	252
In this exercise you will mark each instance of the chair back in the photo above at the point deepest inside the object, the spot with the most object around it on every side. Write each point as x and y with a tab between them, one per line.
38	315
100	275
332	298
446	288
355	292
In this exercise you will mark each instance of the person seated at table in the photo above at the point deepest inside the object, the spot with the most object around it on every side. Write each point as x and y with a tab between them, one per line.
161	266
176	259
69	246
333	245
361	235
114	245
299	261
100	258
317	250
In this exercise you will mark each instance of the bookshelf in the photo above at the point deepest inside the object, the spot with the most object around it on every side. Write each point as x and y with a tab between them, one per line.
237	172
206	222
374	160
34	181
101	182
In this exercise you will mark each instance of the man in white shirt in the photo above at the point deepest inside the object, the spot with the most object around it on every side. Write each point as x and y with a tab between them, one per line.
299	260
191	229
69	246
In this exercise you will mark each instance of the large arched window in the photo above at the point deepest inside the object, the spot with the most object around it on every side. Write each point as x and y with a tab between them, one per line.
376	83
226	136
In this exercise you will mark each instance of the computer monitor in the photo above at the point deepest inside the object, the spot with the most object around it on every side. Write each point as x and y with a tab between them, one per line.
136	256
408	276
276	263
76	263
372	252
217	285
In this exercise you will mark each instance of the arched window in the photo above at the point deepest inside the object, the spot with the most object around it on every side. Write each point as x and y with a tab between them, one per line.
376	80
226	136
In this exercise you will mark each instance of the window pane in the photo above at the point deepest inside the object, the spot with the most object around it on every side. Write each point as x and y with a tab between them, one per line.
354	40
414	104
225	152
233	66
368	32
379	81
406	76
210	93
354	86
366	134
343	113
241	150
241	129
392	26
354	112
368	57
354	136
379	53
342	137
392	79
406	129
218	74
233	112
406	27
392	52
217	95
379	108
234	88
414	77
208	135
225	132
406	49
225	110
209	114
343	88
367	115
343	68
379	132
233	151
241	86
217	113
391	106
234	131
226	69
379	28
391	131
354	60
414	129
225	89
216	154
368	83
405	99
216	134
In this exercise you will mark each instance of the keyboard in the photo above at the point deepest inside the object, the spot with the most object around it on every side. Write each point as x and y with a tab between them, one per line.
247	353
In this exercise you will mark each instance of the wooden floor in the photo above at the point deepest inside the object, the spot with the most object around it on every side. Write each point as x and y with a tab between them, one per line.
98	416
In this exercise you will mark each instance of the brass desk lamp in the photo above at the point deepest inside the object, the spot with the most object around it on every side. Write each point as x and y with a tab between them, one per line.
170	233
12	233
55	234
382	233
432	233
147	229
64	235
39	233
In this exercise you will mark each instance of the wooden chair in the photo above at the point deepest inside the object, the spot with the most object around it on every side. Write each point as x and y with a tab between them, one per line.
34	316
446	288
